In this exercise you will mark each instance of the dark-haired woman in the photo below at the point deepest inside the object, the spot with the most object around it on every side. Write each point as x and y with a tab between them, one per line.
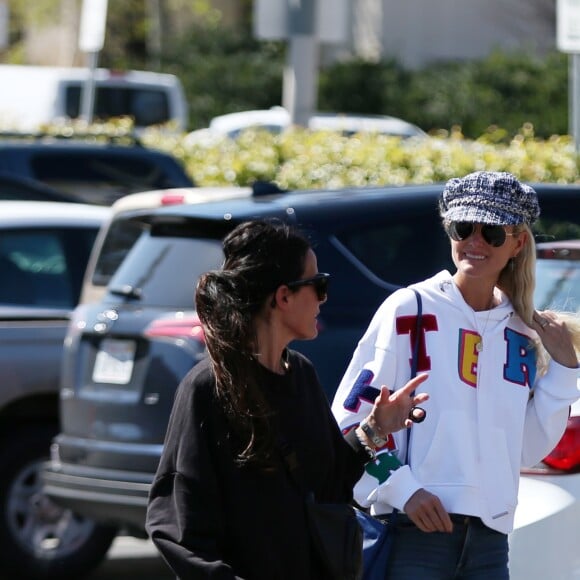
222	504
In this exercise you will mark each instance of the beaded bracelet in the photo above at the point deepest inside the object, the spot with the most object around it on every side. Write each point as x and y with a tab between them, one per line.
372	454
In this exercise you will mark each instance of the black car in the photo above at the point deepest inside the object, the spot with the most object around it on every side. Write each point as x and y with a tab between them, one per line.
126	355
90	171
16	188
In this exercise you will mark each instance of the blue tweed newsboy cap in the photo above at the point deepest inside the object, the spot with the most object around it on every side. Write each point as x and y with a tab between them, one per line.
489	197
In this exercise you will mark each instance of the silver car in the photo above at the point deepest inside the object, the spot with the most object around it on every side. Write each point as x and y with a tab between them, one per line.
44	248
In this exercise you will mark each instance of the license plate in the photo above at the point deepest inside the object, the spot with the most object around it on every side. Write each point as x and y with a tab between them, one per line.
114	362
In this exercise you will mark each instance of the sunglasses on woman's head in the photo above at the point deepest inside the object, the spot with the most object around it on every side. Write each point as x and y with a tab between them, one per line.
319	281
495	236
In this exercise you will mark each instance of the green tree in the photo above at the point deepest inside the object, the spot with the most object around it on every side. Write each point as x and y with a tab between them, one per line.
225	71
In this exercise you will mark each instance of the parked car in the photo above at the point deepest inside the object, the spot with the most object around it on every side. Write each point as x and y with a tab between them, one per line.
126	354
35	96
44	248
546	538
121	230
277	119
91	171
349	125
15	188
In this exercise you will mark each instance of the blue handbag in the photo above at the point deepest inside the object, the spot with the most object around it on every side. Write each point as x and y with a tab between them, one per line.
378	533
377	540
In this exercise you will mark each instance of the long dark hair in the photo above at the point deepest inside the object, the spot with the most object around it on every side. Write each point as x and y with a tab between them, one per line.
259	256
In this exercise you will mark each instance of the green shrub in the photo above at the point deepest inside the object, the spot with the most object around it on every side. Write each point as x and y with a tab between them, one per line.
306	159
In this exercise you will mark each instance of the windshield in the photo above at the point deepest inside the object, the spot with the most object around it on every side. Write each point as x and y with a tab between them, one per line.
121	236
558	285
147	106
163	270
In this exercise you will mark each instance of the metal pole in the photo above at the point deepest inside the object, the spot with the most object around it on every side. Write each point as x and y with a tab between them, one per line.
300	83
301	79
154	35
88	92
574	99
4	24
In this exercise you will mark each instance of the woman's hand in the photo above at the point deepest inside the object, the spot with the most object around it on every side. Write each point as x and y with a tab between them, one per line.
555	337
394	411
427	512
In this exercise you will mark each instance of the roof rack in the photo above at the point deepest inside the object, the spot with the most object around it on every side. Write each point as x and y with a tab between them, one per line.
119	139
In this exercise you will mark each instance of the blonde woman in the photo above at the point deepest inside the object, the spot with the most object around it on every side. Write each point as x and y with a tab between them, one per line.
501	378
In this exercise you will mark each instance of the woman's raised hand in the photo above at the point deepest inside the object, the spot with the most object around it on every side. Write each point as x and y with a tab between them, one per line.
397	410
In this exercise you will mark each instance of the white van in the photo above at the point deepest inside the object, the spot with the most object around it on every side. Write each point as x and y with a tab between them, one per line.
32	96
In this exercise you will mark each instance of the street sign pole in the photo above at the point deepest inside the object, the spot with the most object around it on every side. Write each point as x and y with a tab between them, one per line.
91	41
574	98
305	24
300	78
4	24
568	40
88	92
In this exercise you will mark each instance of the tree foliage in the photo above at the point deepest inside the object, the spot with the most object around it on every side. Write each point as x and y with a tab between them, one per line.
505	89
225	70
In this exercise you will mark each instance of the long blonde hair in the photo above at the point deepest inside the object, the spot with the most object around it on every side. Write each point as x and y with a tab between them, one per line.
518	281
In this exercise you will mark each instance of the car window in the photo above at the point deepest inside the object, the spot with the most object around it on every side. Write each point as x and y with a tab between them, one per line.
396	251
100	177
43	267
146	106
120	238
558	285
548	229
558	219
14	188
164	269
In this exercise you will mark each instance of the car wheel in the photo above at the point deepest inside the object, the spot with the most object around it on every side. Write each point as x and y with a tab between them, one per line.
38	538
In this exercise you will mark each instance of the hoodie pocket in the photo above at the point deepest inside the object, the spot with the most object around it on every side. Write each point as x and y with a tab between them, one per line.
449	455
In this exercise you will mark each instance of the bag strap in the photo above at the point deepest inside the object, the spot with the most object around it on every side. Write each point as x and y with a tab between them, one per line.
415	359
392	517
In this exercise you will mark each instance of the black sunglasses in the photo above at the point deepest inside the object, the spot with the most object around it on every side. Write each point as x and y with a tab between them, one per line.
495	236
319	281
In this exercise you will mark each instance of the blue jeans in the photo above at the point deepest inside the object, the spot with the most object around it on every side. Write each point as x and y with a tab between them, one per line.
472	551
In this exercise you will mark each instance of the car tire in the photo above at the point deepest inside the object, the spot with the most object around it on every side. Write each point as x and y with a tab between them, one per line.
38	538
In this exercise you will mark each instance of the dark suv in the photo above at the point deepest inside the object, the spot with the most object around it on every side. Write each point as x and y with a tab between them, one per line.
97	172
125	355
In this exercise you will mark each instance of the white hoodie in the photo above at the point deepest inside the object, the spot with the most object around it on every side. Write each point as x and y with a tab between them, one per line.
482	421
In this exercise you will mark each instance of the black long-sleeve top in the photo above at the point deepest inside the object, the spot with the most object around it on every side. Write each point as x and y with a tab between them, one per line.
211	518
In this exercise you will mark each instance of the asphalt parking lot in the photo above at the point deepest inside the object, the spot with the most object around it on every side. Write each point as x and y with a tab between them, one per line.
130	558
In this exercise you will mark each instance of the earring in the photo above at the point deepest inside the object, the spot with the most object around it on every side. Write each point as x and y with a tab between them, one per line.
511	263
